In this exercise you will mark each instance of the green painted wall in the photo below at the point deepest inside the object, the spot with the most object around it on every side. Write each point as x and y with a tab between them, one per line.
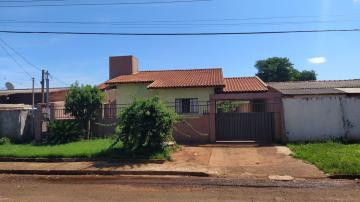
127	92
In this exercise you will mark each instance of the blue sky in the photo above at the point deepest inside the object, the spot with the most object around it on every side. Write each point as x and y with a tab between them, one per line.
85	58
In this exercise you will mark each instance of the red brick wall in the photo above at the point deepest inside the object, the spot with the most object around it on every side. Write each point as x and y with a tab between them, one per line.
122	65
58	95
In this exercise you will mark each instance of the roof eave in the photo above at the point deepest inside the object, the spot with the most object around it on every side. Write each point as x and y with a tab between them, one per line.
254	91
195	86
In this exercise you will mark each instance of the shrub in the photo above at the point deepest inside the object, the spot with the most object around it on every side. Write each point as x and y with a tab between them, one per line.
61	132
146	126
4	140
82	102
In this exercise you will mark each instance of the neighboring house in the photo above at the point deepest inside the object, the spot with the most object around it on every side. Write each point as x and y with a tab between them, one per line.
24	96
320	110
196	94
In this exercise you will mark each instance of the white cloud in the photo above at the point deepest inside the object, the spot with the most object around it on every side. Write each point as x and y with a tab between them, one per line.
317	60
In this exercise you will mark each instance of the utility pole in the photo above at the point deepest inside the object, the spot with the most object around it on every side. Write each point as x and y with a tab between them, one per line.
47	93
42	86
33	107
33	93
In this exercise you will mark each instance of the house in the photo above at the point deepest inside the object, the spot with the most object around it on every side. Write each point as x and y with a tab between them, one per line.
202	96
182	87
320	110
24	96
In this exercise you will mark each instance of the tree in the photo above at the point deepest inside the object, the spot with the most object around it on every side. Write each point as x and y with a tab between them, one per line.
281	69
146	125
82	103
307	75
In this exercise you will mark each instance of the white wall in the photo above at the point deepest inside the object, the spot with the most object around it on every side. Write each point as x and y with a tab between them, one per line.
309	118
352	121
15	124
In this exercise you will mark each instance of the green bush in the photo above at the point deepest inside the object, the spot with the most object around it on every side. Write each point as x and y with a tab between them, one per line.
4	140
146	126
82	102
61	132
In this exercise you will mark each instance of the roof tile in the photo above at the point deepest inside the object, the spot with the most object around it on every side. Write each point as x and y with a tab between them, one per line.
174	78
244	84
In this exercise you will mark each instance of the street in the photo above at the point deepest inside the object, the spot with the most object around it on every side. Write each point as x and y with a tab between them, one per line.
130	188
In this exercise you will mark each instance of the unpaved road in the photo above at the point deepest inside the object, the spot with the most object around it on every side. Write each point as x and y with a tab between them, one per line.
125	188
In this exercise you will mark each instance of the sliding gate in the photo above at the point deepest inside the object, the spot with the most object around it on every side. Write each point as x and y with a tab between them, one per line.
238	121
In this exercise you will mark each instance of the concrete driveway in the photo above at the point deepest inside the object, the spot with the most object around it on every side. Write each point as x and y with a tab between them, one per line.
246	161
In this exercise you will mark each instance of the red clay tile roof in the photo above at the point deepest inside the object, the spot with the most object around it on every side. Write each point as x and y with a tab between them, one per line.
102	86
244	84
174	78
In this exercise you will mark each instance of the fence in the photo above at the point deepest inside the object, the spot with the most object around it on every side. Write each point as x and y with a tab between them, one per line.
106	117
245	107
111	111
197	122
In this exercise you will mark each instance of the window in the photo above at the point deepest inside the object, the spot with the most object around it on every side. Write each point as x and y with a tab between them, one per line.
187	105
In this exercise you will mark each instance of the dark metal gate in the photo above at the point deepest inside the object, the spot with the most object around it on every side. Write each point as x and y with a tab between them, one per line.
245	121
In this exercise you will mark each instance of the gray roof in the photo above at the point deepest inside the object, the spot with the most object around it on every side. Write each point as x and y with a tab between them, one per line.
316	87
28	90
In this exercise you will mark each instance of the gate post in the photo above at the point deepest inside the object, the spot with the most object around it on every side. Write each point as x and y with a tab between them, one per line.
212	121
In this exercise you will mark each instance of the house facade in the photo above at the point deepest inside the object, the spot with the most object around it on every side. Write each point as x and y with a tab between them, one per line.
200	96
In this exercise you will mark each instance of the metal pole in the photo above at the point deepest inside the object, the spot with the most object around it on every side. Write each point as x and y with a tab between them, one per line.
33	93
47	94
33	108
42	86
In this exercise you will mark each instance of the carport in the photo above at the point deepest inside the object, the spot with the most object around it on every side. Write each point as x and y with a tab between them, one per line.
246	113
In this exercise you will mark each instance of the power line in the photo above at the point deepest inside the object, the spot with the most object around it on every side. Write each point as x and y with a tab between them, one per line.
15	61
59	80
26	60
104	4
31	1
169	21
179	34
20	55
136	24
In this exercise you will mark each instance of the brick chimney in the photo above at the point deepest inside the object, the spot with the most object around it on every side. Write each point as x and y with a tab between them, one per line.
122	65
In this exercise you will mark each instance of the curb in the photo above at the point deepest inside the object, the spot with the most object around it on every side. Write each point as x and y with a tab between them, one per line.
103	172
60	160
345	177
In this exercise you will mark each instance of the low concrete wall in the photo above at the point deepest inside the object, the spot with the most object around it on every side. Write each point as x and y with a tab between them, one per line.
16	124
310	118
193	130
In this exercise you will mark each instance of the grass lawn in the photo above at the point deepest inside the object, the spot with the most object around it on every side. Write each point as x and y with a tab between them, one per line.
91	149
331	157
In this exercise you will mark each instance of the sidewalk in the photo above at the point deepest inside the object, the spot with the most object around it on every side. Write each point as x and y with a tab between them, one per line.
100	168
240	161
